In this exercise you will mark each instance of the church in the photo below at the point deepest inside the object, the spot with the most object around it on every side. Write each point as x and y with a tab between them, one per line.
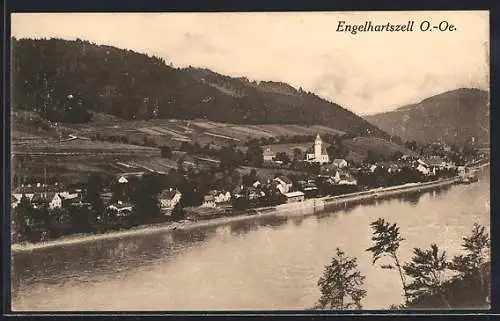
319	154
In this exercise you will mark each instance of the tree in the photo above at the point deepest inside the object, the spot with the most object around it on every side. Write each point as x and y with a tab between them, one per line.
228	157
468	288
144	196
94	189
427	269
191	196
337	149
240	203
387	240
396	155
254	155
282	156
180	164
396	139
178	212
59	218
341	285
250	178
22	212
80	219
411	145
372	157
297	154
187	147
472	267
166	152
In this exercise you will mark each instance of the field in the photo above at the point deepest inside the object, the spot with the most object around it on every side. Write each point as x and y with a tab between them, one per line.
172	131
71	152
77	146
71	169
288	148
359	147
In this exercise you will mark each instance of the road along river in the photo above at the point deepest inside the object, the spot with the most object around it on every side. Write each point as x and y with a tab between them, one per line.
263	263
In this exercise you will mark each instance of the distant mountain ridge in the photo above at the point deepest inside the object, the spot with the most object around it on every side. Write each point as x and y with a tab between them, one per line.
66	81
454	117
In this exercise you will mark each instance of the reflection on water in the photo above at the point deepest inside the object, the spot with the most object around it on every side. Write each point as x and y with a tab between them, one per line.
242	227
297	221
262	263
411	198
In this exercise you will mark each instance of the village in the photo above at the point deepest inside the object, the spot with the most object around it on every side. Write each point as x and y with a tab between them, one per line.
50	210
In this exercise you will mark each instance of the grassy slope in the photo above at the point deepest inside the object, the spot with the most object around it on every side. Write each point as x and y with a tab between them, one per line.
359	147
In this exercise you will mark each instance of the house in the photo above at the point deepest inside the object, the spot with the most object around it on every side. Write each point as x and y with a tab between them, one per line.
423	169
268	155
40	199
435	161
421	162
275	186
121	208
294	197
47	191
253	193
284	184
238	191
221	197
347	180
125	177
339	163
319	154
310	189
405	157
55	202
169	198
208	201
336	178
68	199
256	184
122	180
393	168
23	190
327	169
79	203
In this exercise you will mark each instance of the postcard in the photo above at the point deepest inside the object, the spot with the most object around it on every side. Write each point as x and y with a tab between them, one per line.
258	161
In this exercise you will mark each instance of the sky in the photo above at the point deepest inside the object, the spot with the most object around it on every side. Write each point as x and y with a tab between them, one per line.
366	73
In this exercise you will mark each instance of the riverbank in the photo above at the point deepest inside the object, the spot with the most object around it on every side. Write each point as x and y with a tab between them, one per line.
139	230
306	208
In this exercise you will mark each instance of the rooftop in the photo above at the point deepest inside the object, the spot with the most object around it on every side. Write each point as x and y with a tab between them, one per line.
284	179
39	188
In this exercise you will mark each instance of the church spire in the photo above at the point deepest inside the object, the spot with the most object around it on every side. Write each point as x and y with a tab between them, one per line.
317	137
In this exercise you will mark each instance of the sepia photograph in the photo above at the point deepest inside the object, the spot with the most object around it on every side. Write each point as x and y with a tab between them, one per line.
250	161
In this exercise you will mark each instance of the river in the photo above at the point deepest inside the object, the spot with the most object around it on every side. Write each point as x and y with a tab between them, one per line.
260	264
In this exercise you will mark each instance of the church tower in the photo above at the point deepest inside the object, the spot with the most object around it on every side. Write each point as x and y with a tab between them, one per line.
317	146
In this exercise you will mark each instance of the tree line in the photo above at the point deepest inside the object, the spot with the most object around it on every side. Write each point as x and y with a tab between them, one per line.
64	80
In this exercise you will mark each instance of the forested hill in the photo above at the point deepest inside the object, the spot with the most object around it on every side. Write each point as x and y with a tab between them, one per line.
454	117
62	80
